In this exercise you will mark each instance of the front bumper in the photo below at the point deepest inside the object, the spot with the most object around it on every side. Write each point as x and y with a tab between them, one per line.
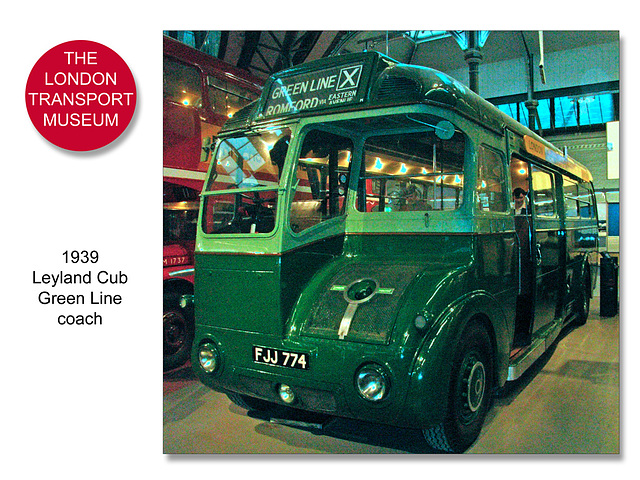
328	386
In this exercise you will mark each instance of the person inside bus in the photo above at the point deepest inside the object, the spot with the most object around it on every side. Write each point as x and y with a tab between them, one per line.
279	152
523	230
520	202
412	200
522	334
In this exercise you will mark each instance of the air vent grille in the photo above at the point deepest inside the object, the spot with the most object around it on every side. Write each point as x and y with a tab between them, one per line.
398	87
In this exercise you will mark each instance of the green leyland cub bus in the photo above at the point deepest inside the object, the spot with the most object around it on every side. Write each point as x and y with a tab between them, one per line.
358	253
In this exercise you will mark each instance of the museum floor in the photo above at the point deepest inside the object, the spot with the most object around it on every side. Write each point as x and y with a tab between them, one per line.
568	403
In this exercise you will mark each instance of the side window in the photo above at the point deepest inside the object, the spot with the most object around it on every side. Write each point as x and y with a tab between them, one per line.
237	97
411	171
322	179
543	193
217	96
491	185
181	83
227	98
578	198
570	192
519	171
586	204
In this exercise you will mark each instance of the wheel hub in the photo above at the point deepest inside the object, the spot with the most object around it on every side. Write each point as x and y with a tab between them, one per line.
475	386
472	387
174	331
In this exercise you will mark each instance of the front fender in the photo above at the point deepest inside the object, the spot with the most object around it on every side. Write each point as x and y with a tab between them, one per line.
428	394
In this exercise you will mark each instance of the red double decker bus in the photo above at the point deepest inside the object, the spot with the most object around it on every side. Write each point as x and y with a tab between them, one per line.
200	94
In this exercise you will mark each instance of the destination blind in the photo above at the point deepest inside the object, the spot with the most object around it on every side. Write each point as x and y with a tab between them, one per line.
334	86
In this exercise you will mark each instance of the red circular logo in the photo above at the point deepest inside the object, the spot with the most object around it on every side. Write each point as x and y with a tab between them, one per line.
80	95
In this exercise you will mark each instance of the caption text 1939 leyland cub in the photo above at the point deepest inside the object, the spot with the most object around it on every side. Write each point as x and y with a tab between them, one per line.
79	297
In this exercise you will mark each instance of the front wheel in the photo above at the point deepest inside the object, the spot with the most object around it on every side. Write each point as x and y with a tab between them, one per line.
469	393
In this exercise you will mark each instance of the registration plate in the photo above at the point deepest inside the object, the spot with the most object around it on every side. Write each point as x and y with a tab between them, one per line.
282	358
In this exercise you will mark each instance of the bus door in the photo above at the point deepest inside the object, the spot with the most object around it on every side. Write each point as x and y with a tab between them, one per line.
520	172
538	234
549	243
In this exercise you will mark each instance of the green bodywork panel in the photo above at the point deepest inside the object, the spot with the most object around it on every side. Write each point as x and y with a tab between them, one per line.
273	301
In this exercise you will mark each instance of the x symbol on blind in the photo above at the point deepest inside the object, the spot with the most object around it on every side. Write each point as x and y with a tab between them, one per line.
348	77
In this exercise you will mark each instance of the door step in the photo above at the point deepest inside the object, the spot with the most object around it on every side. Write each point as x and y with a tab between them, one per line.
521	359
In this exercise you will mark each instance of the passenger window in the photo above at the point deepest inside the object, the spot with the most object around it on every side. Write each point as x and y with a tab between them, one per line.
586	200
519	172
227	98
411	171
181	83
322	179
491	185
578	199
543	193
570	191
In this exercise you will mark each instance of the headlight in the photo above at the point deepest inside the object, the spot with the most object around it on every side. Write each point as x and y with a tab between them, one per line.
208	357
372	383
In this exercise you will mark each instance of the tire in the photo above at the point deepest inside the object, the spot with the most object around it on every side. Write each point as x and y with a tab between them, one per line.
178	331
470	390
583	302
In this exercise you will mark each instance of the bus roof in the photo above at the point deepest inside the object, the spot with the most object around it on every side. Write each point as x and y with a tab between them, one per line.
372	80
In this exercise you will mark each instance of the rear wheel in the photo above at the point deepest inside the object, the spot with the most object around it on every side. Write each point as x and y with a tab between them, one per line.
178	331
469	393
583	302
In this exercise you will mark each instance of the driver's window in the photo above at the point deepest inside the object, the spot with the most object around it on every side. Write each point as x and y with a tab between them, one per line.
322	178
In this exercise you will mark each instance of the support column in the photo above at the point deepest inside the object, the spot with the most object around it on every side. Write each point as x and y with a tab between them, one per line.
471	43
532	107
473	57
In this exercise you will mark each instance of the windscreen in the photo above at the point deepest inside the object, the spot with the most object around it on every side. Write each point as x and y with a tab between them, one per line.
252	165
249	161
